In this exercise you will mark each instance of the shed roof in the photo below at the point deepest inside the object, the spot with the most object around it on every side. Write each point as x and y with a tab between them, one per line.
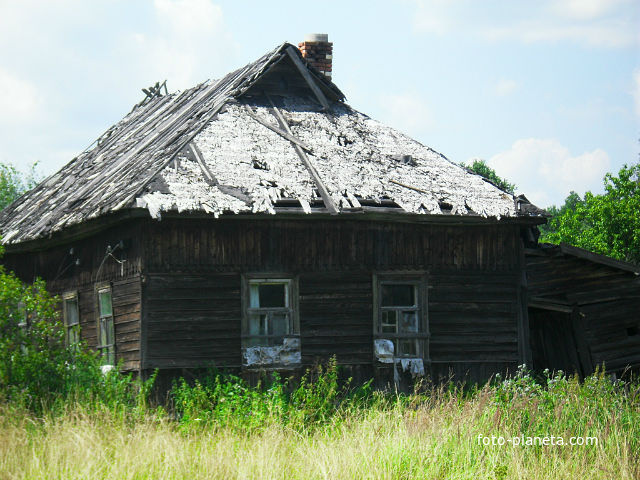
269	136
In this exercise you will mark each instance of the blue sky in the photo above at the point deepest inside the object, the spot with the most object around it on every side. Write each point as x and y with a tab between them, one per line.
547	92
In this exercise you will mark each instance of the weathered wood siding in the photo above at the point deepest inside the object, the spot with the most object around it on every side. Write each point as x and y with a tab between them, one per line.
604	300
57	266
192	288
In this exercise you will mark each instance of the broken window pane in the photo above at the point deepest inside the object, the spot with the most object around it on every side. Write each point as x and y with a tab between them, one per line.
258	324
389	322
268	295
394	295
408	321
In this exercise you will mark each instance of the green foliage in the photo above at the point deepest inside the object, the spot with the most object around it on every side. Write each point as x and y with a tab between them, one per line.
481	168
14	183
37	370
608	224
227	400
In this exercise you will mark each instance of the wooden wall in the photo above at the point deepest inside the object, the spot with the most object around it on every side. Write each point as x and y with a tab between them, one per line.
192	288
57	266
604	302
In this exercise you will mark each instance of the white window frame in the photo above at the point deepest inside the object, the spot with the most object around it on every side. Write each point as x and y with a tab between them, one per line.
291	309
418	280
106	323
70	328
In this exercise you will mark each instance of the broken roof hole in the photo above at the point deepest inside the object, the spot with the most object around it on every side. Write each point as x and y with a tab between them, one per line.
259	164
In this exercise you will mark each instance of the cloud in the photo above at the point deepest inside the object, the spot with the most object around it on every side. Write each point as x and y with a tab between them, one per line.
19	99
612	33
407	112
636	89
505	87
546	171
586	9
601	23
191	35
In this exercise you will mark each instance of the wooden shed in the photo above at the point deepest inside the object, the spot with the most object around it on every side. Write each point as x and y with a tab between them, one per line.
258	222
584	310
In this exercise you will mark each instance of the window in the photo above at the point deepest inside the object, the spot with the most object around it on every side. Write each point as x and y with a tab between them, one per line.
71	318
106	334
269	311
400	313
24	324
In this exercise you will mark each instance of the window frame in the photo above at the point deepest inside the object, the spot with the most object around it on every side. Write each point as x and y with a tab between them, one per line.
419	281
107	351
291	282
71	295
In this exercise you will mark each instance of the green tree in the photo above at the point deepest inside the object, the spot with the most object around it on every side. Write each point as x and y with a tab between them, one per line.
481	168
607	223
14	183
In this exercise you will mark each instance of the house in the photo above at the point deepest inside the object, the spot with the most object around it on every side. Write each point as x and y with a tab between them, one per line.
258	222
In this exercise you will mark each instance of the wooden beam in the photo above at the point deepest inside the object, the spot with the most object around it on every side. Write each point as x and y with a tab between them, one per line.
324	193
209	177
597	258
410	187
279	131
308	78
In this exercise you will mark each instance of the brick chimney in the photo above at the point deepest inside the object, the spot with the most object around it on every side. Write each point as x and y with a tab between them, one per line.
318	52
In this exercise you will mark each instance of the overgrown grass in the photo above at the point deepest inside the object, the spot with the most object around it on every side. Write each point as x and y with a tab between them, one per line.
222	428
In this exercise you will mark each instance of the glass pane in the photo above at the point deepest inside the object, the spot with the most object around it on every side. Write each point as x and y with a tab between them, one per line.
103	332
105	303
272	295
110	356
258	324
279	324
408	322
389	322
71	311
73	336
407	348
110	331
398	295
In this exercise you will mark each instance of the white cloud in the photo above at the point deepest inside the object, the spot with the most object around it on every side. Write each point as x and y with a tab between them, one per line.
546	171
602	23
407	112
636	89
614	33
19	100
192	36
505	87
586	9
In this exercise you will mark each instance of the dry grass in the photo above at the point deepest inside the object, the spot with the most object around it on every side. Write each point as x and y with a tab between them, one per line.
430	438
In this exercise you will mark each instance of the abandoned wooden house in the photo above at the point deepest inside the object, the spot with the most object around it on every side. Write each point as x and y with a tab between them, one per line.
258	222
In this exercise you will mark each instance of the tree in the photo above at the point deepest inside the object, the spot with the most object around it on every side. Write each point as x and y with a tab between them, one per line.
14	183
608	223
481	168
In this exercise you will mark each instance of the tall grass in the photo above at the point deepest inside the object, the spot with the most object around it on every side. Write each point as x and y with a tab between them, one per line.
222	428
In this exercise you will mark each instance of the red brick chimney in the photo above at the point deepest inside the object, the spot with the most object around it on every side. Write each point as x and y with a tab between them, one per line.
318	52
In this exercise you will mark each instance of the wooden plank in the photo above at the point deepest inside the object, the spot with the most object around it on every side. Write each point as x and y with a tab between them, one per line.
277	130
211	179
596	258
308	78
324	193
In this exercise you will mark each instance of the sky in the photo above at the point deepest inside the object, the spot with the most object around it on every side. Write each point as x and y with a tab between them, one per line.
546	92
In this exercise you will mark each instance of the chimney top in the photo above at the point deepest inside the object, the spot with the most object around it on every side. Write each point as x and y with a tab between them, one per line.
316	37
318	52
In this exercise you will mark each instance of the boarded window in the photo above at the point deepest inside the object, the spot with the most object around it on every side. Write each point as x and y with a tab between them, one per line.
269	311
400	313
71	317
106	333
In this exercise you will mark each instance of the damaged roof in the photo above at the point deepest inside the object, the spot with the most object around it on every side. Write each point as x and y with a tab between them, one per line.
271	136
